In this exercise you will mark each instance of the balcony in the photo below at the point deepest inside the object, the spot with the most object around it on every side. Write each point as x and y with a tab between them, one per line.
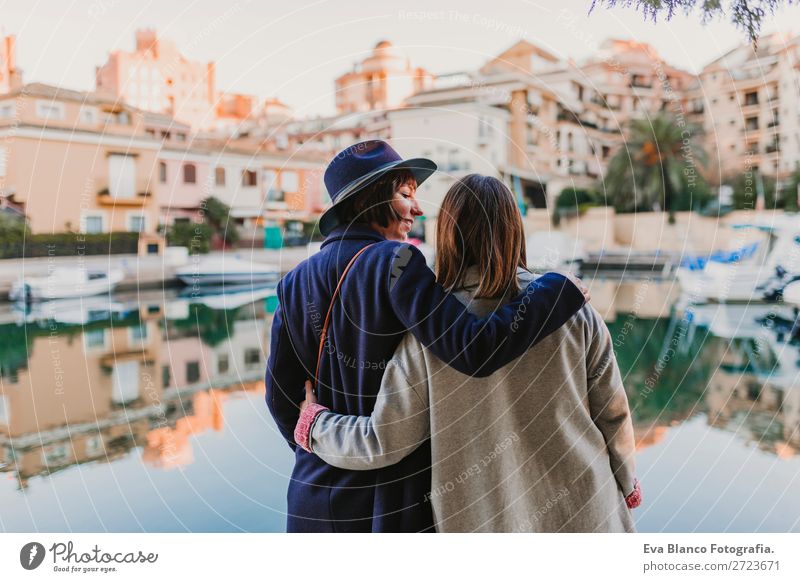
772	148
104	198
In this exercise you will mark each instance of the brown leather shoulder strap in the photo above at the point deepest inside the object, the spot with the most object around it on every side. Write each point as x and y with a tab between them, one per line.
324	333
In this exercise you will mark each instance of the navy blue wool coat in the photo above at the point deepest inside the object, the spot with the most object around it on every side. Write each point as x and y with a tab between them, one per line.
388	292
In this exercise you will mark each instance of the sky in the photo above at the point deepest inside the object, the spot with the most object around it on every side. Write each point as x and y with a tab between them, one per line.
294	50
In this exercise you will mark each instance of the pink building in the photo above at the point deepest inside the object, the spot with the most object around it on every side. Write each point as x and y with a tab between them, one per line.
10	75
157	77
383	80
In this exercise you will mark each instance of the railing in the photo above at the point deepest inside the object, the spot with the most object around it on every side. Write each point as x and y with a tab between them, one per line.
105	198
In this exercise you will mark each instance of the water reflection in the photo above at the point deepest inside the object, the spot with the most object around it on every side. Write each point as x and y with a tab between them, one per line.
154	385
90	381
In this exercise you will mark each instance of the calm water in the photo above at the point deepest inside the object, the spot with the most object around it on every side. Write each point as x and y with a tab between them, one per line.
146	413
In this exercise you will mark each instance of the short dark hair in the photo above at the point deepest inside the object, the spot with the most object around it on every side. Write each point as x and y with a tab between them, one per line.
373	204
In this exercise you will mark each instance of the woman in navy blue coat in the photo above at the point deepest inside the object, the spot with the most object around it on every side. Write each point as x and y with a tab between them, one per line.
388	292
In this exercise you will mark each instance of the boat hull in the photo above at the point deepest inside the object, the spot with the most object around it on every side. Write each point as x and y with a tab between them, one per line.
204	279
45	289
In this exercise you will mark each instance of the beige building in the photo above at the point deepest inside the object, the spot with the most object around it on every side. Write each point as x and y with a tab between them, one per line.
84	162
383	80
749	105
540	123
76	161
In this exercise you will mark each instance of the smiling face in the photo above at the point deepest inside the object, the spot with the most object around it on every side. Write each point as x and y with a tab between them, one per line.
406	206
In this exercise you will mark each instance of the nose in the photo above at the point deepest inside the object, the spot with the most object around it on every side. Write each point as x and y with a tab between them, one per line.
416	209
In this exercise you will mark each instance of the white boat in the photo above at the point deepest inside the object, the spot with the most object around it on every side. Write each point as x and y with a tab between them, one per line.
65	283
226	270
228	297
747	273
74	311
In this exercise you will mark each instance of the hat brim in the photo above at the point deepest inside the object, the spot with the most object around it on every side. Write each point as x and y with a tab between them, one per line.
421	168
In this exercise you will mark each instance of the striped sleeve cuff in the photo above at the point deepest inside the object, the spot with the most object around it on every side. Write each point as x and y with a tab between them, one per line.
302	432
634	499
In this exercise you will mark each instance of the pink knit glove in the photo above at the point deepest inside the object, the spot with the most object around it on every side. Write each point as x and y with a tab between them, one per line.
302	431
634	500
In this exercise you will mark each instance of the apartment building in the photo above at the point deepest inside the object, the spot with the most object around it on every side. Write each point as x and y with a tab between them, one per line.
257	185
78	161
748	101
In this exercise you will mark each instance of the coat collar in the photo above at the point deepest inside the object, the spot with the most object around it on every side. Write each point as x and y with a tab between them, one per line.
358	231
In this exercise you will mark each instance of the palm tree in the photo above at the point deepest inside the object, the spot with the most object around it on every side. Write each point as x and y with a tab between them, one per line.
655	164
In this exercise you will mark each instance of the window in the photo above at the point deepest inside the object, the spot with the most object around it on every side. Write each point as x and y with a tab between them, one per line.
289	181
93	224
192	372
249	178
189	174
94	445
57	454
751	98
162	172
165	376
89	115
270	180
125	382
136	223
751	123
252	356
223	365
121	176
219	176
5	410
137	333
7	110
49	110
94	338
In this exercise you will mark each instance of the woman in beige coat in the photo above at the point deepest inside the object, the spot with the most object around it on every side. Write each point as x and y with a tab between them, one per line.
544	444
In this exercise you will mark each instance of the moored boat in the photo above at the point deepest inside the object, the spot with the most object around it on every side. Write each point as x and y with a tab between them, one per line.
227	271
65	283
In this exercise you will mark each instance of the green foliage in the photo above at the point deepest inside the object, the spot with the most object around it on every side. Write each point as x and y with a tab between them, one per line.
217	214
749	186
16	242
657	167
746	15
12	229
790	191
194	236
661	390
213	326
573	201
576	198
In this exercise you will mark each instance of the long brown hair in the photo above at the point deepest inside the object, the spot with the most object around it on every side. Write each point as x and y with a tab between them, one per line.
480	225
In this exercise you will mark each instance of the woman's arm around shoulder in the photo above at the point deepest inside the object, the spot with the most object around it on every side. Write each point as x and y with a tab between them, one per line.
399	423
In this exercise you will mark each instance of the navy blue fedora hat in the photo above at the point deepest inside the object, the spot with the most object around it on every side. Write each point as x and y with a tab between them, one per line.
359	166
